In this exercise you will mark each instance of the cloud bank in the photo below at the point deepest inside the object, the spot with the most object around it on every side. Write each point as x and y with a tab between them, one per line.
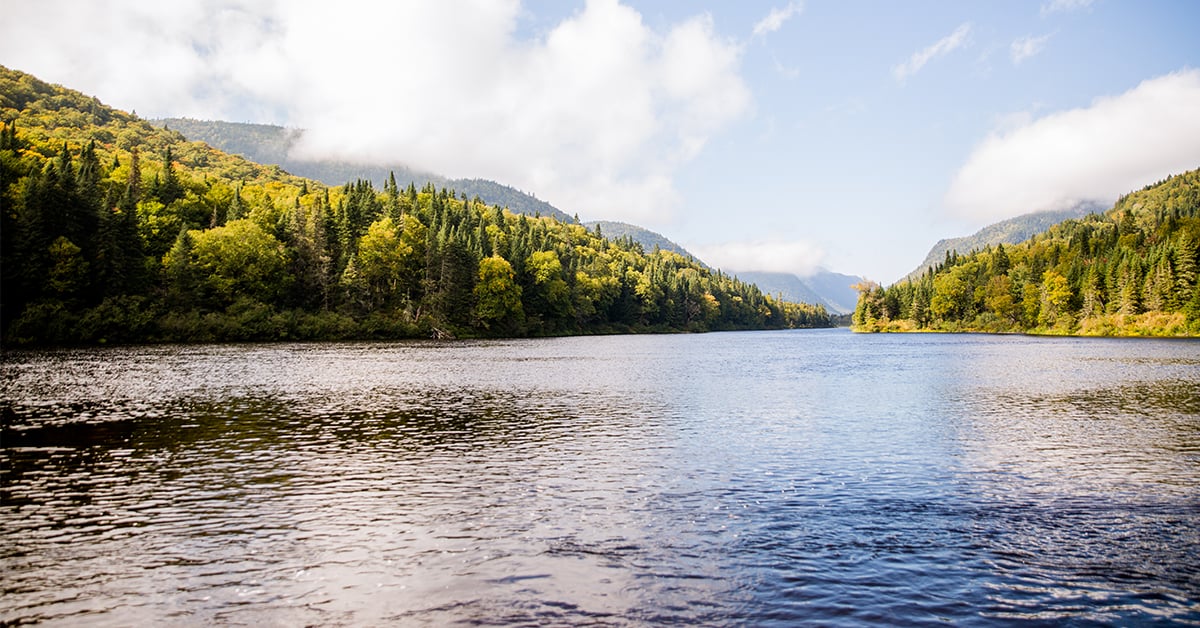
596	115
1095	153
781	256
939	48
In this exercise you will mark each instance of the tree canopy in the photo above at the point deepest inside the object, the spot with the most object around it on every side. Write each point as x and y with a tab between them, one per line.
114	230
1129	271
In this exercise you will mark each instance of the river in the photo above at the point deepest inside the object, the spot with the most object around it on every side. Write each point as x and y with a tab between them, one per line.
756	478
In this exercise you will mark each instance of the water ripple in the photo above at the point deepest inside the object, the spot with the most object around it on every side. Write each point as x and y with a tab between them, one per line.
724	479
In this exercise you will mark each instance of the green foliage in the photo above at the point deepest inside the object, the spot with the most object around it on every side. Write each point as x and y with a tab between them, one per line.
497	295
1129	271
1010	231
238	260
115	231
266	144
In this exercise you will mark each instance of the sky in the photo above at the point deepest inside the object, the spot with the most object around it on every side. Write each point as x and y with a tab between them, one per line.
761	135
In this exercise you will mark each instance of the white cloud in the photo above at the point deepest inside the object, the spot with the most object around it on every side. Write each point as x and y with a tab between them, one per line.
781	256
941	47
775	19
1095	153
1064	6
595	115
1027	47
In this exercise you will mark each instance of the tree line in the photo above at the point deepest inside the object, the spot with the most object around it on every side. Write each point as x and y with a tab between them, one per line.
147	237
1129	271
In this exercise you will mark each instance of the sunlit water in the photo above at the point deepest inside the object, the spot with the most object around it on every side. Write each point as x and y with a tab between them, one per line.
809	477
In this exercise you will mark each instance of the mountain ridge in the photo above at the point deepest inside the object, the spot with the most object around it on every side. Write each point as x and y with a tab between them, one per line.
643	236
272	144
831	289
1008	231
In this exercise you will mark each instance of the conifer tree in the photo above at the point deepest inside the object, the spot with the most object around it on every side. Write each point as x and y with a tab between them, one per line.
170	189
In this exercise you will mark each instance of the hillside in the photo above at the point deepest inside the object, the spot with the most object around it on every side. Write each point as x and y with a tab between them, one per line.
784	286
114	230
649	240
1010	231
830	289
269	144
1130	271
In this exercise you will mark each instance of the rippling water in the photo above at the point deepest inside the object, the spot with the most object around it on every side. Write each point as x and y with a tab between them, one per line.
750	478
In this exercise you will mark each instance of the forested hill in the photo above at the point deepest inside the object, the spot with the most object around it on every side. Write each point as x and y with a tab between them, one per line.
1010	231
1129	271
649	240
832	290
114	230
269	144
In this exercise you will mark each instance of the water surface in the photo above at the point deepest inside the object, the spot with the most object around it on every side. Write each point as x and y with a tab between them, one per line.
742	478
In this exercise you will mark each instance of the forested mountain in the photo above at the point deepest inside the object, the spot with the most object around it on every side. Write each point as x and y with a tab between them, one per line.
1129	271
833	290
782	285
649	240
269	144
1009	231
114	230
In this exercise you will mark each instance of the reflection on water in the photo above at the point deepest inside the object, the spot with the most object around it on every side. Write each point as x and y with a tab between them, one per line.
789	477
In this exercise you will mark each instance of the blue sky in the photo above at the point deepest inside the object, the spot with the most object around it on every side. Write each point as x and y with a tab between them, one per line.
760	135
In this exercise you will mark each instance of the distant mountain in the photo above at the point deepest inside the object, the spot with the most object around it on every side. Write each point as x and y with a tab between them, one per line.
825	288
835	289
645	237
1009	231
786	285
269	144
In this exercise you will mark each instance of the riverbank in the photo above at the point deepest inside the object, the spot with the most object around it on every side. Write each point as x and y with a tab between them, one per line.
1145	325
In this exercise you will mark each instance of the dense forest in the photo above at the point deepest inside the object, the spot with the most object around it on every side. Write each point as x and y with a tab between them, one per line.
1131	271
116	231
267	144
1009	231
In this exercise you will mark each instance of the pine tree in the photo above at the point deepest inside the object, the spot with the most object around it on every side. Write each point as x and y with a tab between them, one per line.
237	207
32	241
394	210
180	272
120	260
170	189
1185	270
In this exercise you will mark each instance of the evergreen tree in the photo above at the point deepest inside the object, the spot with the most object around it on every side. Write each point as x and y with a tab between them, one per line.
170	189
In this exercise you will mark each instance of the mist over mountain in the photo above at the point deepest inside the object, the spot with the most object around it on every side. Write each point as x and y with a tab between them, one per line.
825	287
270	144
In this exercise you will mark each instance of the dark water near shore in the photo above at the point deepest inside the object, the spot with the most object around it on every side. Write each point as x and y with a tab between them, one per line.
809	477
